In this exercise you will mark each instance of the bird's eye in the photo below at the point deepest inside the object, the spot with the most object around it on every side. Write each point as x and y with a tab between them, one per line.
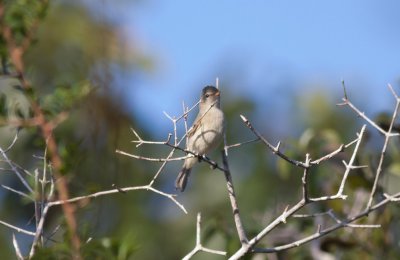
207	95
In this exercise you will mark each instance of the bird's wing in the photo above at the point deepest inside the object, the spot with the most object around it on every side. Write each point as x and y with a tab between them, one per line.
195	126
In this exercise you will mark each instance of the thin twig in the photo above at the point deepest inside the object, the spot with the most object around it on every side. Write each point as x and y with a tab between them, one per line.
349	166
199	247
249	247
18	192
17	250
118	190
304	180
13	142
311	215
388	135
274	149
15	170
347	102
323	232
232	197
139	157
242	143
391	198
20	230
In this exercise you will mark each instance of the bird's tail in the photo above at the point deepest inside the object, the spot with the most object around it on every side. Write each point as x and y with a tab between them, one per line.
181	180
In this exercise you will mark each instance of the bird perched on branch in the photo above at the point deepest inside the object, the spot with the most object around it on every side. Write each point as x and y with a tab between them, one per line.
206	132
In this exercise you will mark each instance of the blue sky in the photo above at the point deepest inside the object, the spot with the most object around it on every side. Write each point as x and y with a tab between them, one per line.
266	46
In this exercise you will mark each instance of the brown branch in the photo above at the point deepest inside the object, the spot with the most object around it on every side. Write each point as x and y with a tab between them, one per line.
274	149
232	197
16	53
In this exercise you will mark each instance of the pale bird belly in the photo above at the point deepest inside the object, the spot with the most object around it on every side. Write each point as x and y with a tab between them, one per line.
207	140
209	137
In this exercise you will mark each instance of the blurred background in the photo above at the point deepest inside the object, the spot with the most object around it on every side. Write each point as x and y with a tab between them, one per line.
119	64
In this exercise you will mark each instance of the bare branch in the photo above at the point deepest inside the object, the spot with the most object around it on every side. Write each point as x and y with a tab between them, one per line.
349	166
347	102
393	92
17	250
15	170
344	90
328	156
17	192
140	141
304	180
391	198
311	215
199	247
152	159
13	142
20	230
321	233
291	211
242	143
113	191
232	196
39	231
188	111
201	157
274	149
388	135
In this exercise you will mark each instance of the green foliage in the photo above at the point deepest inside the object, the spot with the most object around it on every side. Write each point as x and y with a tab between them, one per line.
22	15
58	251
111	248
122	248
64	97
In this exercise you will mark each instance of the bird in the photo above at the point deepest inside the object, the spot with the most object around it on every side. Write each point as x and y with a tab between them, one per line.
205	134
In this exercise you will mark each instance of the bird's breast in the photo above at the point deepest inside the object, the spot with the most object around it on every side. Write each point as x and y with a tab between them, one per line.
210	132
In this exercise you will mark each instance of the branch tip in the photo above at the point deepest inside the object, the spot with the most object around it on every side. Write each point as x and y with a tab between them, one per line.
344	91
276	148
393	92
136	134
319	228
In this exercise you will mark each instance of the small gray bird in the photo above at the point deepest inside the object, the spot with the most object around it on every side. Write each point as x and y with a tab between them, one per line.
206	132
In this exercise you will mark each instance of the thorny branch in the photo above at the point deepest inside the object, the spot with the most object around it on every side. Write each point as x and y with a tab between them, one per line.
47	202
199	247
290	212
388	134
234	204
248	245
